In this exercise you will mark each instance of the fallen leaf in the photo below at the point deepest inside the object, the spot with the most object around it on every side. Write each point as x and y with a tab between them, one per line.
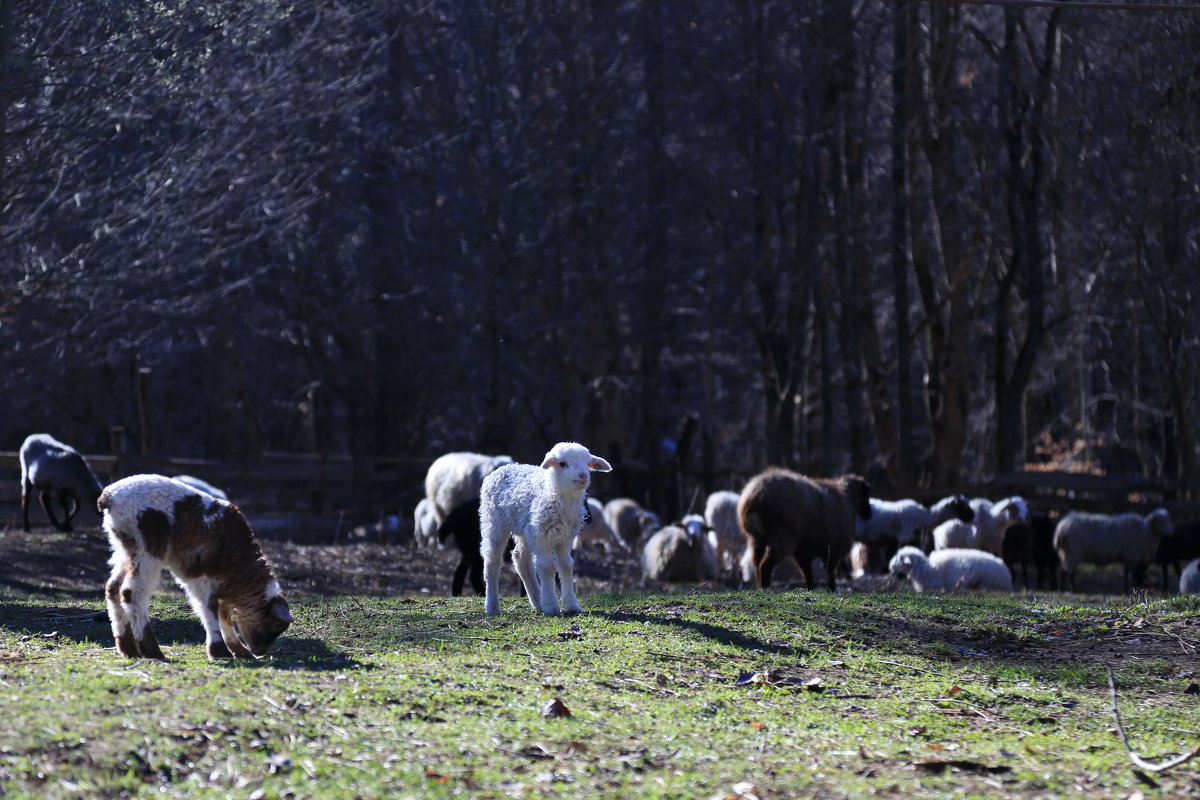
535	751
576	749
575	632
758	726
1192	688
916	731
953	691
435	777
555	708
1146	779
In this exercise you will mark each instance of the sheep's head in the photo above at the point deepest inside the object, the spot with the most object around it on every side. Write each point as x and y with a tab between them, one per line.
261	624
570	466
695	526
904	560
1014	510
958	505
858	492
1160	522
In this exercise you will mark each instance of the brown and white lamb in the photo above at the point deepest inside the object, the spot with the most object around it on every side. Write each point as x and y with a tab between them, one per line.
153	522
787	515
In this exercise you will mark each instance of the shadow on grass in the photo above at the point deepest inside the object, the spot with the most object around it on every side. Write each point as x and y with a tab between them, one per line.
715	633
84	625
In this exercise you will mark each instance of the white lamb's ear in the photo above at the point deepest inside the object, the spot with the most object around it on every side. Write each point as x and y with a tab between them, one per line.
548	461
598	464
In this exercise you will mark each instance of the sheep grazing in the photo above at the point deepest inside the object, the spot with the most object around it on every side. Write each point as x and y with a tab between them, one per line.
202	486
455	478
59	471
153	521
1189	579
787	515
955	568
680	552
632	523
425	523
595	529
1129	539
725	536
1178	549
542	508
993	519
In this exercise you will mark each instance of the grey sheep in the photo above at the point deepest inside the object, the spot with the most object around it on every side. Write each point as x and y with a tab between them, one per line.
1130	540
681	552
56	470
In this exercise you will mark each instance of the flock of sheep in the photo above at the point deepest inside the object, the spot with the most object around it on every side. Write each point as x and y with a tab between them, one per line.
955	544
494	510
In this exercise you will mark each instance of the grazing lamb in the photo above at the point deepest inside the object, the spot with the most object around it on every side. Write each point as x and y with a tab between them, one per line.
1178	549
1189	579
725	537
787	515
542	507
201	485
455	478
425	524
632	523
680	552
956	568
1129	539
993	519
153	521
595	529
56	470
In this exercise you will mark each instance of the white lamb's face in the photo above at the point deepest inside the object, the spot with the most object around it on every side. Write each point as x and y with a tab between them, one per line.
571	467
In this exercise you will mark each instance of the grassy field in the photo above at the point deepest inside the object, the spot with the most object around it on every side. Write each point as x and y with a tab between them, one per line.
684	695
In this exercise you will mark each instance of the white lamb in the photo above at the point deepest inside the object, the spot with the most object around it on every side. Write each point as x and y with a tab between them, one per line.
1129	539
425	524
455	478
992	521
1189	579
725	537
595	529
153	521
542	508
951	569
681	552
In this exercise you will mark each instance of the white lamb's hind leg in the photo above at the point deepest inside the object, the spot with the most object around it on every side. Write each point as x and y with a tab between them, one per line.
491	547
566	575
543	567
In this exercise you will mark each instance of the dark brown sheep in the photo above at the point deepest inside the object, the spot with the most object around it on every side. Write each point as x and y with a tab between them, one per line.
787	515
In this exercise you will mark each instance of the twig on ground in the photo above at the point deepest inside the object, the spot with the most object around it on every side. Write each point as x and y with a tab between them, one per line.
1137	760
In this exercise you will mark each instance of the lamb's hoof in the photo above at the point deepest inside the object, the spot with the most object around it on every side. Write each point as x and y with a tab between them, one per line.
573	612
551	612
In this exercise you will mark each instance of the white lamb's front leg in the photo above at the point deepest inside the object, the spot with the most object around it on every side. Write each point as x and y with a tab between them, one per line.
544	558
566	576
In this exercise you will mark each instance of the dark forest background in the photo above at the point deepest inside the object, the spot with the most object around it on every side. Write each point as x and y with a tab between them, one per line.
927	242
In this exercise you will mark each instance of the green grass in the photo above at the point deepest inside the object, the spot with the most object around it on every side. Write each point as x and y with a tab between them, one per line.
674	696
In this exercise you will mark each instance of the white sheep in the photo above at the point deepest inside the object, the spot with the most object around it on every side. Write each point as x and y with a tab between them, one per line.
956	534
542	508
1189	579
951	569
1128	539
55	470
595	529
425	524
726	538
680	552
455	478
992	521
202	485
632	523
153	521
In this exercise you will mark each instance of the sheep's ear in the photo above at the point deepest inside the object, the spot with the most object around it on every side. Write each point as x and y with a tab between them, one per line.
548	461
598	464
282	612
